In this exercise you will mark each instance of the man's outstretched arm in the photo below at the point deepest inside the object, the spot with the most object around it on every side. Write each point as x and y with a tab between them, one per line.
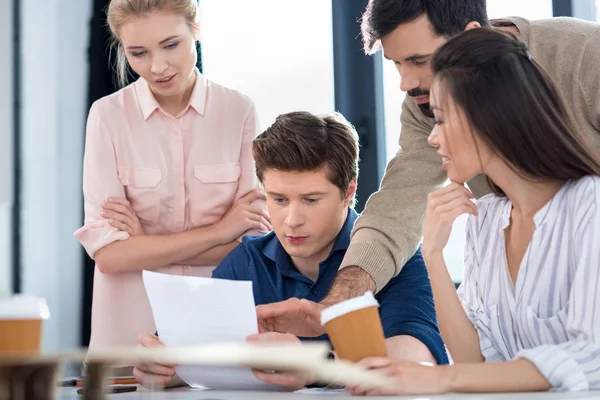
389	230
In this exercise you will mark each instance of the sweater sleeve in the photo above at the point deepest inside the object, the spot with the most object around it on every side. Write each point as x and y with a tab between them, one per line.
389	230
589	82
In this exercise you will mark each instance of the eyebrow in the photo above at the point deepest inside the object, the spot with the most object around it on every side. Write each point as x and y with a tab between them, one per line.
160	43
303	194
417	56
411	58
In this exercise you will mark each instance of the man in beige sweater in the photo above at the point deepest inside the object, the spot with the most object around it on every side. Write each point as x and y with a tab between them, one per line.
388	232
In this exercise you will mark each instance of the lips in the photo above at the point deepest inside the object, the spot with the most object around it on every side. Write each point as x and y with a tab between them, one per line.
296	239
165	79
445	160
421	99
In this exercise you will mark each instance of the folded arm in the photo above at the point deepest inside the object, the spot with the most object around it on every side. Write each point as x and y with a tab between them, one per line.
154	251
116	250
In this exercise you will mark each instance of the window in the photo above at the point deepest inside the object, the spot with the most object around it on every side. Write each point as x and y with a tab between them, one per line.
530	9
392	106
284	63
6	146
393	97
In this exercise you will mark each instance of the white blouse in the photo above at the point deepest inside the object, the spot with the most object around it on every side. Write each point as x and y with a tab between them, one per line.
551	317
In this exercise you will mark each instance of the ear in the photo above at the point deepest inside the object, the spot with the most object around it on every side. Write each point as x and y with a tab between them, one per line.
350	192
472	25
196	32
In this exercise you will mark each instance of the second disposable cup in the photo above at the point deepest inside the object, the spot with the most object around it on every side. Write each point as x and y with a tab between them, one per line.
21	325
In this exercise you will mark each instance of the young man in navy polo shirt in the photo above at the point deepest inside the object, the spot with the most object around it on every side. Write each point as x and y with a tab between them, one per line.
308	166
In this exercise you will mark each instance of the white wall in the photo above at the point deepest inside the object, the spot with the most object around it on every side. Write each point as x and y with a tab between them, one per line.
54	81
6	143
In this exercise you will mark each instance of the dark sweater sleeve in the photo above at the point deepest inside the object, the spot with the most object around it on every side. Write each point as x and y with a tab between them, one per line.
406	308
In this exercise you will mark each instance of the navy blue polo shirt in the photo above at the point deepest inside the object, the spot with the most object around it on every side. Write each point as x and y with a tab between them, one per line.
405	303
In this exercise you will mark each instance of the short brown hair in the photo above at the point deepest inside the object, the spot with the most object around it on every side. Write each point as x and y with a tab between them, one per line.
302	141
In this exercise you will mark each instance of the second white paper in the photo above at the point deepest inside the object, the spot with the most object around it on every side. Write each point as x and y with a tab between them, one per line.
192	311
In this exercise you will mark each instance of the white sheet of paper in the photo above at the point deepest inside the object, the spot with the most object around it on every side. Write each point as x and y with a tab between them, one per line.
190	310
319	391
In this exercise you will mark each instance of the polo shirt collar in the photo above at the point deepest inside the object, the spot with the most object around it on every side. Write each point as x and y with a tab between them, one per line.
276	253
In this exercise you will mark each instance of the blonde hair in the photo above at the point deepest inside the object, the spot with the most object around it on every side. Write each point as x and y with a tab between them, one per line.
121	11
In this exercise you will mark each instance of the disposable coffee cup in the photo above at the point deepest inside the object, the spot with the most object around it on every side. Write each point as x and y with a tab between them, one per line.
354	328
21	320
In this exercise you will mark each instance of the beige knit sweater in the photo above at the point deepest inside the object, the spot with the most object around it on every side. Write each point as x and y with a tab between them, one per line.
389	230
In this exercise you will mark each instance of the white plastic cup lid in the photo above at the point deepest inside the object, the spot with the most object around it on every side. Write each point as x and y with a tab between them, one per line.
23	307
356	303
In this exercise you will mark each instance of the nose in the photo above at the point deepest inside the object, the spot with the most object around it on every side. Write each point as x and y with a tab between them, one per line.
159	65
294	217
409	80
433	138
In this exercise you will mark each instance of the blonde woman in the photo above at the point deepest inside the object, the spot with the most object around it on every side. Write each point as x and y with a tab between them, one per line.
168	181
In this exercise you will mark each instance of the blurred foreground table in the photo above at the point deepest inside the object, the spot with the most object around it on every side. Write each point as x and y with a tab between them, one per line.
314	394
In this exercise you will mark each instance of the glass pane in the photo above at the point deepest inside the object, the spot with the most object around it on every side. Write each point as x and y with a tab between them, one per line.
6	144
284	64
393	97
5	248
530	9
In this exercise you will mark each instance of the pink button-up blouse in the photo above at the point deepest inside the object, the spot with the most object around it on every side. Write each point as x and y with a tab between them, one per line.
178	173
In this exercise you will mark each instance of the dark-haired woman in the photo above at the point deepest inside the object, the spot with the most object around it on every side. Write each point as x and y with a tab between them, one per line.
527	316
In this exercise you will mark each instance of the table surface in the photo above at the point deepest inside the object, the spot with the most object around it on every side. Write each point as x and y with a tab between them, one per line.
314	394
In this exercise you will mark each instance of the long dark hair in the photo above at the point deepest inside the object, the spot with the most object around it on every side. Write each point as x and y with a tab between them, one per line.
514	106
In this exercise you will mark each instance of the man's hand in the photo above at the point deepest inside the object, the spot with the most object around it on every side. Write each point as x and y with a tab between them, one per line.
152	375
303	317
286	379
295	316
350	282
